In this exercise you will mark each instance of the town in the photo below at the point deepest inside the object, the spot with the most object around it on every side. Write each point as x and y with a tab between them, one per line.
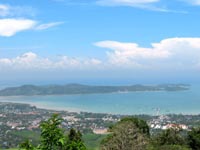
21	121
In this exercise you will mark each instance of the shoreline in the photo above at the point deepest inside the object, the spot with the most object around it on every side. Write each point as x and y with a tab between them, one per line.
75	110
43	106
117	92
187	87
67	109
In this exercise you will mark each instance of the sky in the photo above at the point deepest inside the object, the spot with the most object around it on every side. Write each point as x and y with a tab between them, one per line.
99	41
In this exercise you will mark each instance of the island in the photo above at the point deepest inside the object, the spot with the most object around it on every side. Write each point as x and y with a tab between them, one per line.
30	90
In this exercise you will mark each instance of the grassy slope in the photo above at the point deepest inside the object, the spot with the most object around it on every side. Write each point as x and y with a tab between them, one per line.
92	141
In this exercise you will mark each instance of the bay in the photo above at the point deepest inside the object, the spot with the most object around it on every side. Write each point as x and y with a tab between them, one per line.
153	103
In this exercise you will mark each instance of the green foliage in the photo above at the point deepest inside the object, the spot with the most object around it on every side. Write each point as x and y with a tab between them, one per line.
26	145
74	136
52	137
139	123
194	138
74	141
25	134
75	146
85	89
51	134
168	147
92	141
170	137
127	135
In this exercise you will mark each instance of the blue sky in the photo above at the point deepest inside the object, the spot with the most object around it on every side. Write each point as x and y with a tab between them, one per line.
121	41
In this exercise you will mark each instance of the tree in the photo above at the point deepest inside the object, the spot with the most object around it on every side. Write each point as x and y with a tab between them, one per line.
52	137
170	137
127	135
26	145
139	123
74	141
194	138
168	147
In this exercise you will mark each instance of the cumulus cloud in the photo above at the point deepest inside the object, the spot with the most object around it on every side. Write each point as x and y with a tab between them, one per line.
32	61
48	25
174	52
129	53
9	27
168	54
26	60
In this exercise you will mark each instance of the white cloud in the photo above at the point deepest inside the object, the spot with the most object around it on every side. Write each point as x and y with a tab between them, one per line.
192	2
9	27
12	20
174	52
25	61
16	11
168	54
142	4
32	61
130	52
125	2
48	25
4	10
196	2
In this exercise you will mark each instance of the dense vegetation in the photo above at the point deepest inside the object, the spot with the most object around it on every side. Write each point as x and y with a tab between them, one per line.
53	137
128	134
86	89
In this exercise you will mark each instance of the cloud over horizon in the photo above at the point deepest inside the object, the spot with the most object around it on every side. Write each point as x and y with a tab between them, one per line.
172	52
179	53
128	53
32	61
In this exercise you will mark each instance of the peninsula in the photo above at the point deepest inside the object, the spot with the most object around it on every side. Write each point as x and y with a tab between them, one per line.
30	90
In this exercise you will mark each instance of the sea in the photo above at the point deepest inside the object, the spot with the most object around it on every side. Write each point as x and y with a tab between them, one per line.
124	103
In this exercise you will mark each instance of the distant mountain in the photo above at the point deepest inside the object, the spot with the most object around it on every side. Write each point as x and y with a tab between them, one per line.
29	90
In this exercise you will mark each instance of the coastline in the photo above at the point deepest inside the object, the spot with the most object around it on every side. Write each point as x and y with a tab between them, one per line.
125	89
120	103
75	110
43	106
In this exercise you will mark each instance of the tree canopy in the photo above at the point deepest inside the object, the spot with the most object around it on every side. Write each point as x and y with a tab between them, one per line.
128	134
53	137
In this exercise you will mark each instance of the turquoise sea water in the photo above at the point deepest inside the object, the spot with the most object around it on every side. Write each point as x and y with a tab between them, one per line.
186	102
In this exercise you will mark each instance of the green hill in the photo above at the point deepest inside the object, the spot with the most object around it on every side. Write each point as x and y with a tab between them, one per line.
86	89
